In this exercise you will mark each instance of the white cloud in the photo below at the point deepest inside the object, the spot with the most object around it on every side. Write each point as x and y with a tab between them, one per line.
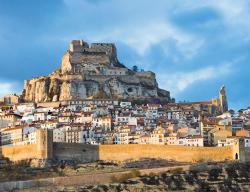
142	37
8	87
138	27
234	14
180	81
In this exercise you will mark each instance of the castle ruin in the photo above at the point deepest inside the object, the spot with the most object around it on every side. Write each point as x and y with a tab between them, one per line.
93	71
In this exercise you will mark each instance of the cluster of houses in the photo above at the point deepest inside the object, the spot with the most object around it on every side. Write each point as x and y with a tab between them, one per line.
106	121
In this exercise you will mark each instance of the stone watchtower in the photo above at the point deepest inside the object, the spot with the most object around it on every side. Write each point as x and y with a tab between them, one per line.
78	46
223	100
45	144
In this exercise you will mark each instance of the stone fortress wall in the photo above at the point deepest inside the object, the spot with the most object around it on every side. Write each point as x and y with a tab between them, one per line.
176	153
244	154
45	149
41	150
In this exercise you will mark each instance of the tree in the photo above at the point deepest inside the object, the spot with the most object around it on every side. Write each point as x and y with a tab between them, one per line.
135	68
231	171
204	186
231	111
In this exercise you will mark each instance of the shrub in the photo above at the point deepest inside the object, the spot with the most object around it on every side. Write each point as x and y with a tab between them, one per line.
204	186
135	173
190	179
231	171
228	183
151	174
214	173
176	170
155	180
194	174
178	181
244	173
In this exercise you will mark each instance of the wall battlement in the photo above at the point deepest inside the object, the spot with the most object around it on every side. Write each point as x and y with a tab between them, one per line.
80	46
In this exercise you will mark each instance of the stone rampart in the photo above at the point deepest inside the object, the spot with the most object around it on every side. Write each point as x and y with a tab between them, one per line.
24	152
177	153
41	150
89	153
76	151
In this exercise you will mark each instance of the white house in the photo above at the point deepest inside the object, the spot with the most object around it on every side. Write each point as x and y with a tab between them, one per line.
40	116
132	121
28	117
196	141
59	134
25	107
227	142
124	104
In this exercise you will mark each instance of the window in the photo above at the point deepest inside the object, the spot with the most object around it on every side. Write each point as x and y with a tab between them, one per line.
130	89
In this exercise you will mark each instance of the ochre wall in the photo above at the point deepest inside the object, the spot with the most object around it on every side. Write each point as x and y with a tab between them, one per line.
24	152
178	153
88	153
42	150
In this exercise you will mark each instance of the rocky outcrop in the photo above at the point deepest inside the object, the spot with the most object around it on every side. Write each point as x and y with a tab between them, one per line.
92	71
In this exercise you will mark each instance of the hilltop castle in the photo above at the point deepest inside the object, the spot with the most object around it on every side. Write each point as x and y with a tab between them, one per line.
93	71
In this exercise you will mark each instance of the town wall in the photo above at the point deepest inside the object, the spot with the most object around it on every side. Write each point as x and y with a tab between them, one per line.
76	151
22	152
89	153
41	150
244	152
177	153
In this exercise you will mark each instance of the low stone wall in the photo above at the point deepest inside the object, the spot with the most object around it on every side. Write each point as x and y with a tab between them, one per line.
177	153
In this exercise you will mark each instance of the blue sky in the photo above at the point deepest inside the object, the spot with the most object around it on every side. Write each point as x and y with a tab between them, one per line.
193	46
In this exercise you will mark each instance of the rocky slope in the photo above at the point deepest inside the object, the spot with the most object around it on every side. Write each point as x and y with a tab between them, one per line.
203	177
92	71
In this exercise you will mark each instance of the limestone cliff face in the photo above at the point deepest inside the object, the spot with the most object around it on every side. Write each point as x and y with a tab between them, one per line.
92	71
